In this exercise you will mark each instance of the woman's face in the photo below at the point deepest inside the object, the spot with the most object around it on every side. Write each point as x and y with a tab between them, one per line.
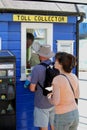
57	65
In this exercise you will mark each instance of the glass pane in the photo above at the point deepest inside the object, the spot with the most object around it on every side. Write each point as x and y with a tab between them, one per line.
40	38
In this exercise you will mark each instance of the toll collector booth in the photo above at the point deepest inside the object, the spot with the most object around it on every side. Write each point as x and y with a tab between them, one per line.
51	23
7	91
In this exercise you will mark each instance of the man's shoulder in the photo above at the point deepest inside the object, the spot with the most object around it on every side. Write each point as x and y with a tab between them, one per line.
40	65
37	67
48	62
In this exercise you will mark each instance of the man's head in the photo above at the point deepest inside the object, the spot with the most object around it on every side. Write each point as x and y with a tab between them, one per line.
30	39
45	52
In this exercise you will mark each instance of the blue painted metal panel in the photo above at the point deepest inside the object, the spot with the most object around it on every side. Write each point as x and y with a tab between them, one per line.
3	26
4	45
4	35
18	72
21	89
24	124
64	32
22	128
14	36
24	99
17	53
83	28
23	106
64	28
15	45
14	27
63	35
6	17
18	63
28	128
72	19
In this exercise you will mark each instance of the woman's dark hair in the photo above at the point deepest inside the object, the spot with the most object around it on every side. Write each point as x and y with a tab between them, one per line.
68	61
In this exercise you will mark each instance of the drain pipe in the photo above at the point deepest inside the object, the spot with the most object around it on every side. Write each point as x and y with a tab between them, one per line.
77	42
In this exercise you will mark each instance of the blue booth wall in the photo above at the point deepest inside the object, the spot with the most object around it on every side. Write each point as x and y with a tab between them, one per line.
10	33
83	29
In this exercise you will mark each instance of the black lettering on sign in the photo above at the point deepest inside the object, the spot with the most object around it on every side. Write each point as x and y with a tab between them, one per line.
18	17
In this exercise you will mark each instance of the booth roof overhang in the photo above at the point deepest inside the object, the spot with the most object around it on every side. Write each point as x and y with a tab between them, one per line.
68	1
40	7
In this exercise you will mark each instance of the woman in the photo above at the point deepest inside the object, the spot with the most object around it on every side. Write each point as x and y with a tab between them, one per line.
66	110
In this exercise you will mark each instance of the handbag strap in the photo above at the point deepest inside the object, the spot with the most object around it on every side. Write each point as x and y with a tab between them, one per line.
69	83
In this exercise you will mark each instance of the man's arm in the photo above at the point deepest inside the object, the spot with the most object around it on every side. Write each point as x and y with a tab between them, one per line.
32	87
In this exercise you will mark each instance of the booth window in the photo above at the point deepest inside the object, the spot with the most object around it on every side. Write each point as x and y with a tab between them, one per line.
42	33
32	46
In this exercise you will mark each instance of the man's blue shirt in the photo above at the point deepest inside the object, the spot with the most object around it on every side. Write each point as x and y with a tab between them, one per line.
38	75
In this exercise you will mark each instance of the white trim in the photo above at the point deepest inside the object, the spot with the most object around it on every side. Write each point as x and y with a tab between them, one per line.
25	26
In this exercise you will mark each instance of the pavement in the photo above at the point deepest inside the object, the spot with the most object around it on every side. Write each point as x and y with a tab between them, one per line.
82	106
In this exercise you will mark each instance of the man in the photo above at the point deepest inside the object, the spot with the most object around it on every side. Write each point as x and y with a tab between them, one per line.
32	57
30	39
43	110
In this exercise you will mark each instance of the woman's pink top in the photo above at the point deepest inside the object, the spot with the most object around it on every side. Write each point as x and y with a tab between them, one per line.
63	97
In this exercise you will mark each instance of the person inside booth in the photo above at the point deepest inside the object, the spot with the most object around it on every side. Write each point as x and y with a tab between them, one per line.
32	57
30	39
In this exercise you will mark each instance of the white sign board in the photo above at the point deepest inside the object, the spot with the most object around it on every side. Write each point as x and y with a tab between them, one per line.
65	46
